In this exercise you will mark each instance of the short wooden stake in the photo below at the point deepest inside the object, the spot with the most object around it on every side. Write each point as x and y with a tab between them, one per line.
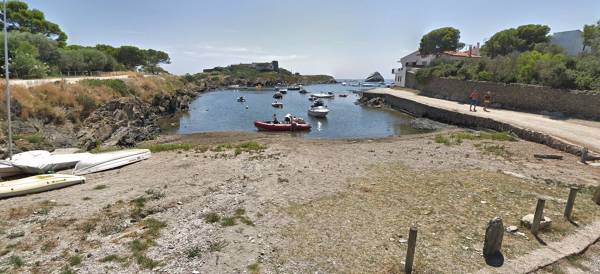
596	197
570	202
584	155
537	217
410	253
494	233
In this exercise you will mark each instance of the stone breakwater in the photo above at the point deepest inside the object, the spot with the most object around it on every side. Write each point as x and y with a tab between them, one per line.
446	116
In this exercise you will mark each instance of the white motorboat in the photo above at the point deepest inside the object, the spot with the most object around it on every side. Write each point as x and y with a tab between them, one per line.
344	83
318	111
40	161
322	95
38	183
109	160
277	104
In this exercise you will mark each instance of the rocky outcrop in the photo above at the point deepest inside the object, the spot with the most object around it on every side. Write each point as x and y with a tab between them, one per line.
121	122
375	77
129	120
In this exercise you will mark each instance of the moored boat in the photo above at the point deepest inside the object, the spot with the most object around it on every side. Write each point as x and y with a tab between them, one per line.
277	104
290	124
318	111
38	183
298	87
109	160
303	91
322	95
241	99
278	95
343	95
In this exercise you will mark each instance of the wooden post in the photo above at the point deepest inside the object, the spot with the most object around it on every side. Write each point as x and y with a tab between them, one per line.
410	252
584	155
494	233
537	217
596	197
570	202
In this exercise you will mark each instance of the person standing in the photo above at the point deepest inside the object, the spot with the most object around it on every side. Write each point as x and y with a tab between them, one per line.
473	100
487	101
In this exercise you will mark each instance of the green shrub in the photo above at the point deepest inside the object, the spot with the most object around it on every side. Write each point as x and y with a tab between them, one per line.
115	84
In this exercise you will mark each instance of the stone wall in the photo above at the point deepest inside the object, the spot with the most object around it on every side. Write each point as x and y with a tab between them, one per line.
529	98
446	116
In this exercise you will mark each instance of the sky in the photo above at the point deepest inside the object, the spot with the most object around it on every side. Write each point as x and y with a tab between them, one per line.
348	39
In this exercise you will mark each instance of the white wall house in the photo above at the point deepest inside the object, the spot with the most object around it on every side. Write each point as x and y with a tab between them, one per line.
571	41
415	61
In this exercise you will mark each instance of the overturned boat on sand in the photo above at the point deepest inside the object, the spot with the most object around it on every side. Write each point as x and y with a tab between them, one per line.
110	160
38	183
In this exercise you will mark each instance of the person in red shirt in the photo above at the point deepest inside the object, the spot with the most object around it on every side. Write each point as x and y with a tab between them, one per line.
473	100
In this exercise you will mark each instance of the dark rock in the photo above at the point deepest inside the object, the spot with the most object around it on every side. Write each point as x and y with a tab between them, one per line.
375	77
121	122
427	124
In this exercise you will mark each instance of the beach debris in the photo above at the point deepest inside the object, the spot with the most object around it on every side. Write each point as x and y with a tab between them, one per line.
527	220
512	229
494	233
548	156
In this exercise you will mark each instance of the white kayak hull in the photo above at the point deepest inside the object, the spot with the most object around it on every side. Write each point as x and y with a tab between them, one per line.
110	160
38	183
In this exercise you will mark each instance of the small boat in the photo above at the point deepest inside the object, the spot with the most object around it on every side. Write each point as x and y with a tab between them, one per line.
277	104
318	103
270	126
344	83
7	169
241	99
278	95
41	161
298	87
109	160
343	95
323	95
303	91
283	91
318	111
38	183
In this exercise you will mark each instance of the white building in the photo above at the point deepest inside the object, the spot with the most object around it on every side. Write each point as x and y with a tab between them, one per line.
415	61
571	41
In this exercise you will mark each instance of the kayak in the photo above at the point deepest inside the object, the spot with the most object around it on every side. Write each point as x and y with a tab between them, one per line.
109	160
38	183
269	126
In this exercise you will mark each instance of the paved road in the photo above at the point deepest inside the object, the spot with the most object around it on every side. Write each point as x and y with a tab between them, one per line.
575	131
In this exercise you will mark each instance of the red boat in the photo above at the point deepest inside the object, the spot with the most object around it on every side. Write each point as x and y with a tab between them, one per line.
270	126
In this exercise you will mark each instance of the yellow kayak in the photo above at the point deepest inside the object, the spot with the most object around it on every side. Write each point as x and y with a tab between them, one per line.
38	183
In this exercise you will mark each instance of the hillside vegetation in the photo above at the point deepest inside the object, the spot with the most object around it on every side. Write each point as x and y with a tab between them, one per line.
246	76
525	55
38	48
59	102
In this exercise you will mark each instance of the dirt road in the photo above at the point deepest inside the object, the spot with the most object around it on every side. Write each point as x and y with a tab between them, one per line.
579	132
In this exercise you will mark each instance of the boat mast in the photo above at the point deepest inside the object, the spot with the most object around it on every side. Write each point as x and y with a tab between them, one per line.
6	84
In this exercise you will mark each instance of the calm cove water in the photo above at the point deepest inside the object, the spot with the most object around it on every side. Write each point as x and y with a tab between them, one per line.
219	111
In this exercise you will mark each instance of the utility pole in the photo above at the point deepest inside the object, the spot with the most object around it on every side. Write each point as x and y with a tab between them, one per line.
7	85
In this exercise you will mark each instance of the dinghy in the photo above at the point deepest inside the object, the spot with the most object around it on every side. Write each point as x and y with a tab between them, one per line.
38	183
40	162
8	170
109	160
323	95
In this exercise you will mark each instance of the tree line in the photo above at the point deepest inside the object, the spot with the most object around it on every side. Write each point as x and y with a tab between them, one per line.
38	48
517	55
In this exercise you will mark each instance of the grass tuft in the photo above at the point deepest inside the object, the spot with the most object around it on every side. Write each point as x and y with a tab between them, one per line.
75	260
212	218
194	252
100	187
217	246
16	261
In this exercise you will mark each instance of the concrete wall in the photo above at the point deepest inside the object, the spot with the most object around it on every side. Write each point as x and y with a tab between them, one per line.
446	116
528	98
